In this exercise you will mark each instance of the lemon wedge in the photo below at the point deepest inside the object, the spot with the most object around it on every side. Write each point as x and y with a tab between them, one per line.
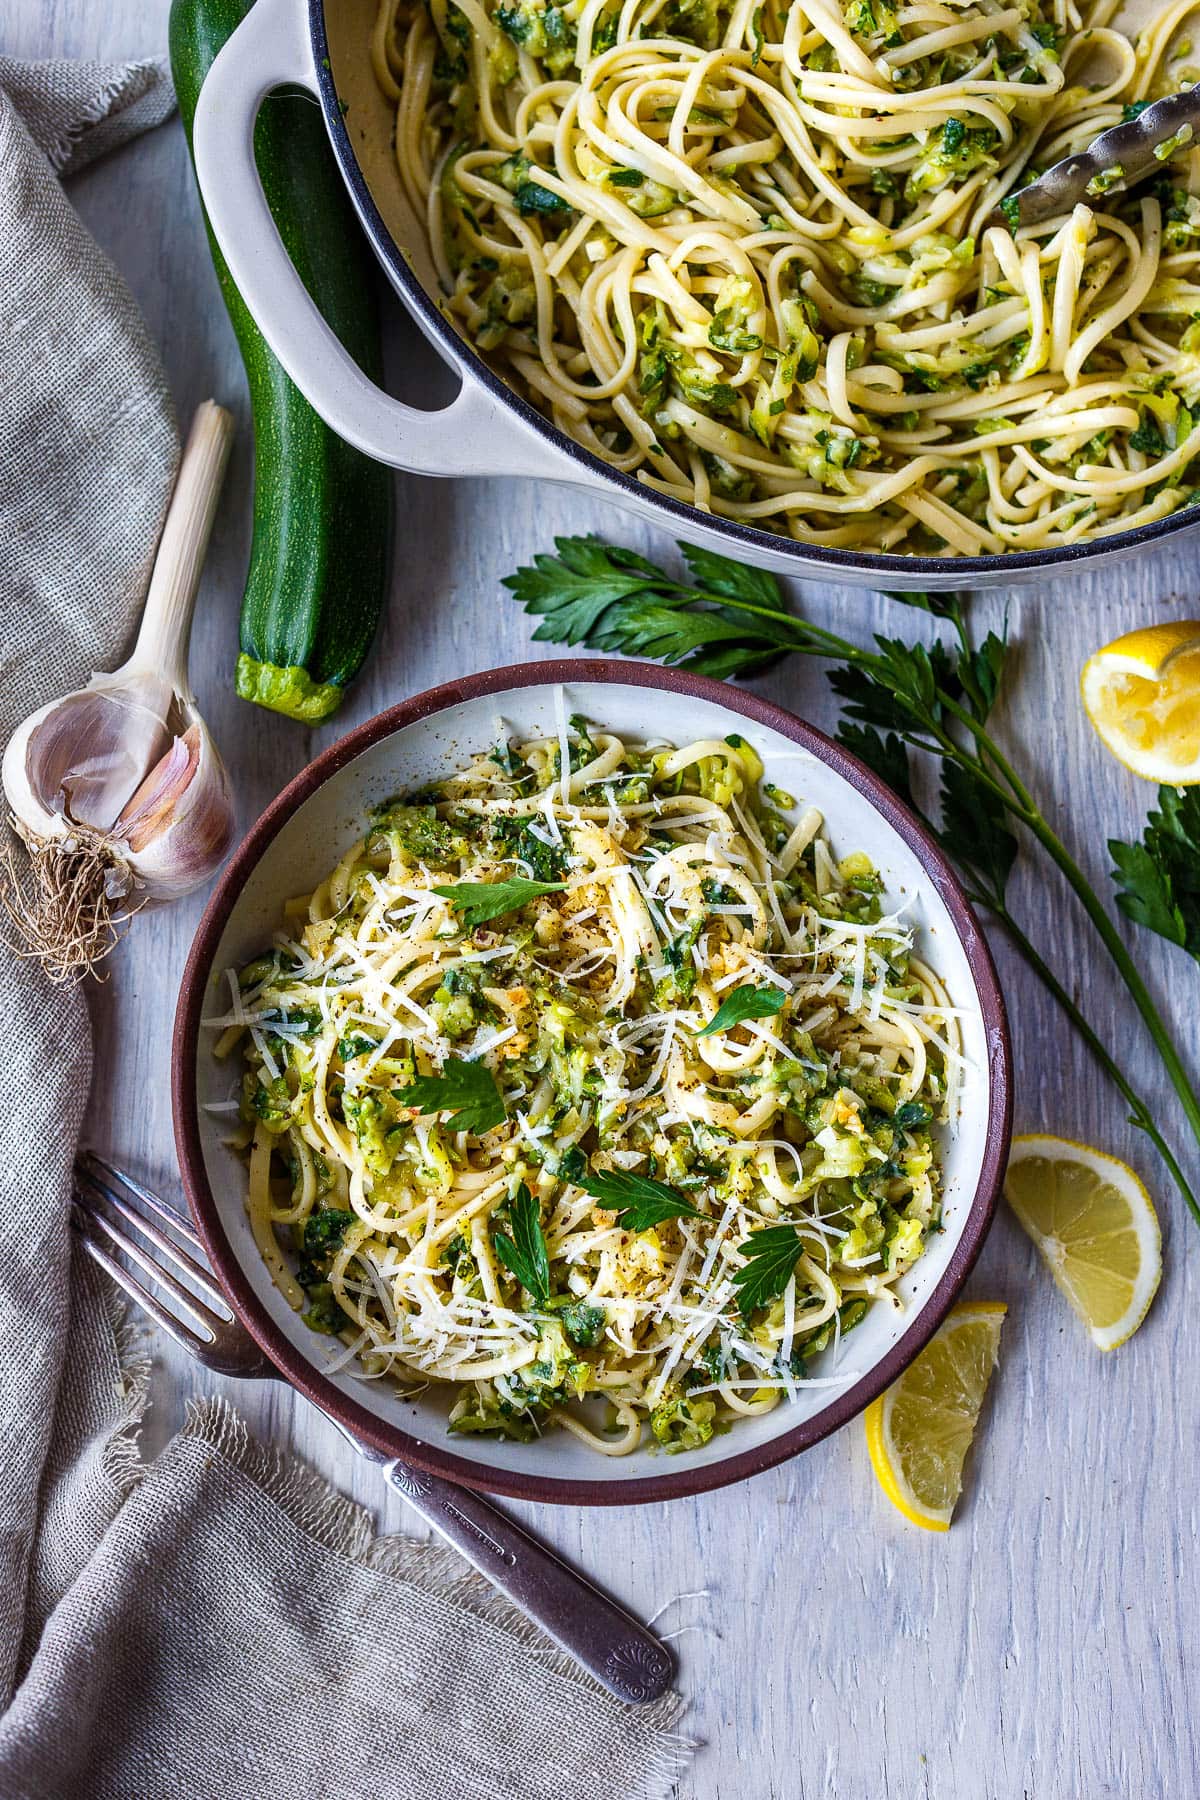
1096	1228
919	1432
1142	693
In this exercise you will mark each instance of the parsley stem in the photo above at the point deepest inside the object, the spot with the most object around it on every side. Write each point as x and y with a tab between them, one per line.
1140	1114
810	639
1127	968
1022	806
1000	778
988	746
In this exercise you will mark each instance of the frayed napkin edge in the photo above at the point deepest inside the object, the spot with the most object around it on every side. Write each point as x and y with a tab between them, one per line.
121	1458
345	1528
122	87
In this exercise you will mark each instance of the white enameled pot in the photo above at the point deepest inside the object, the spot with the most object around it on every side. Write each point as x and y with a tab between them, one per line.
323	45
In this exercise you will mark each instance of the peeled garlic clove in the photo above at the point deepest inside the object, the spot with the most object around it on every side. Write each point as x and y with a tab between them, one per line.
150	809
178	826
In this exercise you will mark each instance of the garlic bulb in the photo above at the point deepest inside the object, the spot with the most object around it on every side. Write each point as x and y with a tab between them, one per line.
118	790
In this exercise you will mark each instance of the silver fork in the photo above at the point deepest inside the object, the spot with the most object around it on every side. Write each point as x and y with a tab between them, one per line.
621	1653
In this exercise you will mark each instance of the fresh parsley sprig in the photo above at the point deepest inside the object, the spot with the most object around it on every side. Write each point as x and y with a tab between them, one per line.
1159	879
465	1090
638	1201
478	901
524	1254
745	1003
771	1256
899	699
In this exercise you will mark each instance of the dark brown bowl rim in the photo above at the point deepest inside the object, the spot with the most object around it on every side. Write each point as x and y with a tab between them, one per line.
679	1479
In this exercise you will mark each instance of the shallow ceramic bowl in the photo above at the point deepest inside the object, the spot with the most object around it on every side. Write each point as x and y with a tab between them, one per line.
318	817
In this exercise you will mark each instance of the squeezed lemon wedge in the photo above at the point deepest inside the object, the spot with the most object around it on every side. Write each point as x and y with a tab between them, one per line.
919	1432
1142	694
1095	1227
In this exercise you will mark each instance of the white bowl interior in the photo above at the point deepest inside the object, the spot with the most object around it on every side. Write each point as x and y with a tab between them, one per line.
324	827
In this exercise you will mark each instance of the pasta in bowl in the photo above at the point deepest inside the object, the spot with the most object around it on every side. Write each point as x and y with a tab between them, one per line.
595	1117
744	253
695	1066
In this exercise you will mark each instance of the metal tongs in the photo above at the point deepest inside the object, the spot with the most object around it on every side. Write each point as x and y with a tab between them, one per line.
1114	161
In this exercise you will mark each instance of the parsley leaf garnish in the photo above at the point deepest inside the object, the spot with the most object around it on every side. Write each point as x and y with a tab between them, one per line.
1159	879
735	580
466	1090
524	1254
770	1255
577	586
912	1115
584	1324
638	1201
478	901
745	1003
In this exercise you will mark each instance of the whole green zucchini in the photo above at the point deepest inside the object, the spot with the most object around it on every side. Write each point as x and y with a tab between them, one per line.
321	552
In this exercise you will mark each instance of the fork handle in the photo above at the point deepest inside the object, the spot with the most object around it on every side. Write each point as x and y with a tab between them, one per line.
629	1660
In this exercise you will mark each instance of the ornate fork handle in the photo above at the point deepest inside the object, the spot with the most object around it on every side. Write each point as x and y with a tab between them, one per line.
624	1656
629	1660
620	1653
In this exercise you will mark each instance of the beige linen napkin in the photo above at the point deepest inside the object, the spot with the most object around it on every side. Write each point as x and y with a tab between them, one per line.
88	448
219	1624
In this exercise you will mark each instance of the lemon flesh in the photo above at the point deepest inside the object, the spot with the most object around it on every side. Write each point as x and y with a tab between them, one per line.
1142	694
1095	1227
920	1431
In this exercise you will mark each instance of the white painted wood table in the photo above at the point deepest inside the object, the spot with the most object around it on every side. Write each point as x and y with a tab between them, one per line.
1047	1646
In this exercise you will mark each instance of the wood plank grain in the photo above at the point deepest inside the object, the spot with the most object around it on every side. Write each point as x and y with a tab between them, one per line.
1047	1645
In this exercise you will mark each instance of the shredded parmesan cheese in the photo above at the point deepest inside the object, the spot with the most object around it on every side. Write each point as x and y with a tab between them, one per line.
525	1158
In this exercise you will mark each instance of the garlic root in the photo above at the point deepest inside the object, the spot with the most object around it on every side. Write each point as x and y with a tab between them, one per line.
60	907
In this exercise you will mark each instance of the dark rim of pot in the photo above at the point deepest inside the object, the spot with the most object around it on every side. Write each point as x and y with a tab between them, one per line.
887	566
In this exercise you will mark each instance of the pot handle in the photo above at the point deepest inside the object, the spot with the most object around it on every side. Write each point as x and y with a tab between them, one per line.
476	434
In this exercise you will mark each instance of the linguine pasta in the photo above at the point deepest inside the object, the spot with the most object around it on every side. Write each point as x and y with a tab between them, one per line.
738	249
684	998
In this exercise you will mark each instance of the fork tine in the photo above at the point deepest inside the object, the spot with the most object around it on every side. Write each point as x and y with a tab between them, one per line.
181	1297
107	1174
84	1224
203	1280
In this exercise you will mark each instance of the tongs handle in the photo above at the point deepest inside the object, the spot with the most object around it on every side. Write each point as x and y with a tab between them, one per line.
1112	162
